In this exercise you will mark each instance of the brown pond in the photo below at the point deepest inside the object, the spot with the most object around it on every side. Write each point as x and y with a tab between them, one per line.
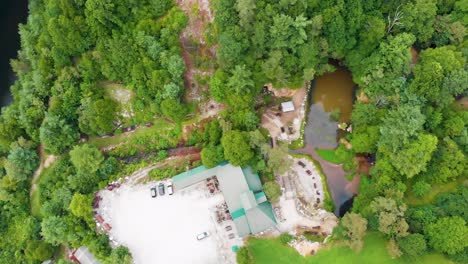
329	92
335	91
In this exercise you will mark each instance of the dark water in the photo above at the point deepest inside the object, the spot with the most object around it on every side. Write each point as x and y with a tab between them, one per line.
12	12
330	91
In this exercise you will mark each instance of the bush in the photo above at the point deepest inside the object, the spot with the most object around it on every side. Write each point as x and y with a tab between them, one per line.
335	114
272	191
421	188
244	256
413	245
285	238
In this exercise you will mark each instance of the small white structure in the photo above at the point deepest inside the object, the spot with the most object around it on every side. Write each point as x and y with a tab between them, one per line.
287	107
83	256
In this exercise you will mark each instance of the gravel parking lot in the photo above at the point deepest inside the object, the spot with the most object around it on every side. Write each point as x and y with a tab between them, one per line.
163	229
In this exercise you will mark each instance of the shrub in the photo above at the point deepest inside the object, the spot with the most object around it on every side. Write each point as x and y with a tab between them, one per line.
285	238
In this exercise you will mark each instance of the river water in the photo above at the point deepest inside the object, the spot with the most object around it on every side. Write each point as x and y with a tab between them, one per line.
329	92
12	12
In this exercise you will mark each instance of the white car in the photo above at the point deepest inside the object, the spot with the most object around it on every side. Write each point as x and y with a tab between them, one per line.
170	189
203	235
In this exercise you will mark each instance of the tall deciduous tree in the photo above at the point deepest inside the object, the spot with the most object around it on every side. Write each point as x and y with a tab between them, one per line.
356	227
86	158
236	148
448	235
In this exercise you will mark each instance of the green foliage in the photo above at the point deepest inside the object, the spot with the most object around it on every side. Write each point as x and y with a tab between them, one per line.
121	255
272	191
285	238
421	188
355	226
236	148
86	158
448	234
55	230
244	256
57	135
39	250
97	117
81	206
174	110
21	161
413	245
212	155
391	217
414	156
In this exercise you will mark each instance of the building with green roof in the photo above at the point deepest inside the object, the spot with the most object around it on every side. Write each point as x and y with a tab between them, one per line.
242	190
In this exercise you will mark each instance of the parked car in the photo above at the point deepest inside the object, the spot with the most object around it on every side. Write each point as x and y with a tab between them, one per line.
203	235
161	188
170	189
308	172
154	193
301	164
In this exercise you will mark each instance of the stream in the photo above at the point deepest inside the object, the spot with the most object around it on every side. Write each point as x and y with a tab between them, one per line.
11	14
329	92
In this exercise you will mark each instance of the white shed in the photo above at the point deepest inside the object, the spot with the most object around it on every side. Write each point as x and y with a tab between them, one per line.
287	107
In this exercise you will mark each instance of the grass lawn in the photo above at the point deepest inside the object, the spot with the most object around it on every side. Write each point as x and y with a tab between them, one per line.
328	155
436	190
159	125
35	196
266	251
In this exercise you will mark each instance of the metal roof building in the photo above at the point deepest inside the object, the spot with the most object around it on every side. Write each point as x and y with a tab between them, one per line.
242	190
84	256
287	106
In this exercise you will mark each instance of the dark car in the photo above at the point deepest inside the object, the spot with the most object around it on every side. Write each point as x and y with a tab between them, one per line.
308	172
154	193
301	164
161	188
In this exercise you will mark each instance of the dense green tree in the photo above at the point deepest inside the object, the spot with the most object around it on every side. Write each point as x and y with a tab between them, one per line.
418	18
449	203
413	245
236	148
212	155
173	109
81	206
22	160
356	227
390	216
86	158
448	163
97	117
278	160
55	230
121	255
57	135
421	188
39	250
272	191
448	235
414	156
399	125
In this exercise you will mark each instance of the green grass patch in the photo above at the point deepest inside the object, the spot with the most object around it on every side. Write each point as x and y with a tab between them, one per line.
266	251
437	189
160	125
36	202
328	203
329	155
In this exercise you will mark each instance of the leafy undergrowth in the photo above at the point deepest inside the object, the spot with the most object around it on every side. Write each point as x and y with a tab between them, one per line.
436	189
329	155
266	251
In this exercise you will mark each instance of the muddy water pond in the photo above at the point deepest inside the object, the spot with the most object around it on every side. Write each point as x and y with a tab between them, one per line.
329	92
